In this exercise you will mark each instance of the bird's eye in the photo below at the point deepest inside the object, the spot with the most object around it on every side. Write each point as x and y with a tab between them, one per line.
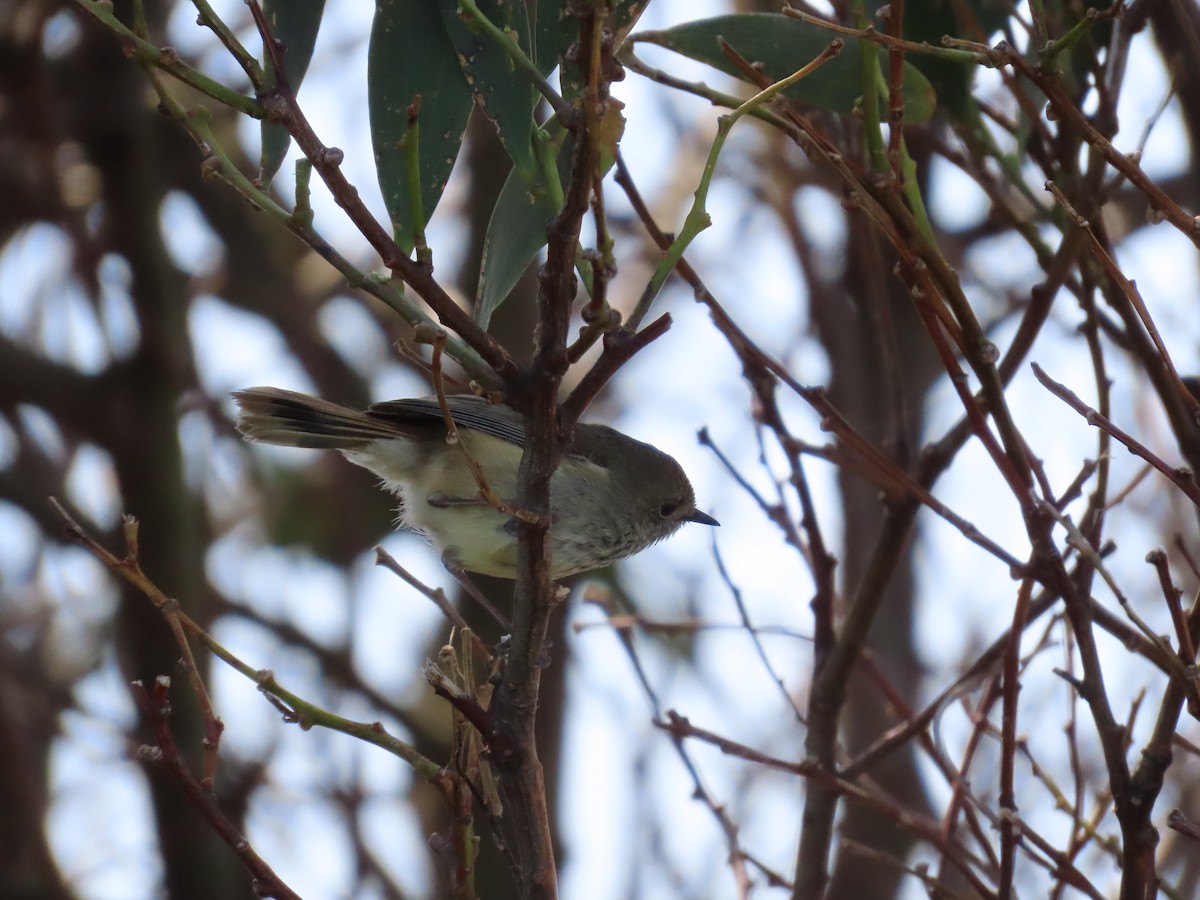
668	509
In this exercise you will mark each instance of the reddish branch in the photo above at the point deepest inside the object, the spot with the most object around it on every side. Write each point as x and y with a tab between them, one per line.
816	774
1068	113
1181	478
156	707
130	569
1008	751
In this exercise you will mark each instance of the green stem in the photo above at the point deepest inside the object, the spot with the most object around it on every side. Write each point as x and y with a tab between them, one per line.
505	41
547	144
697	219
410	144
225	35
309	714
302	215
167	60
872	78
1052	48
911	189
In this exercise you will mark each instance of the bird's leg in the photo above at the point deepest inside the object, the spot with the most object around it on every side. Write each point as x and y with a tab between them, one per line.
438	500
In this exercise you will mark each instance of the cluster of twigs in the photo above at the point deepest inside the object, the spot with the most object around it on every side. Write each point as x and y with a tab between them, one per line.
1066	554
1063	570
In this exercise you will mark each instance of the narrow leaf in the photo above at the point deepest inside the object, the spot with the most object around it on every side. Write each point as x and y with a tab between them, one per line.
517	229
554	31
411	56
782	45
505	94
294	24
515	233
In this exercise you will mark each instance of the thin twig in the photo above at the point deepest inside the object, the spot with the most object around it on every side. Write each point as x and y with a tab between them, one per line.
295	708
129	568
156	708
1181	478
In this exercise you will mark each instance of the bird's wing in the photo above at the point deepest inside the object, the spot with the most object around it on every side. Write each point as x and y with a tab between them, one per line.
468	411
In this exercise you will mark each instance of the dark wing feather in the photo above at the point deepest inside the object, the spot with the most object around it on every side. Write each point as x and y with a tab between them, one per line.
468	411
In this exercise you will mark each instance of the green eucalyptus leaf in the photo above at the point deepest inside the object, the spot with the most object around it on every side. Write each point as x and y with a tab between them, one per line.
553	31
623	15
517	229
782	45
411	56
515	234
294	24
504	93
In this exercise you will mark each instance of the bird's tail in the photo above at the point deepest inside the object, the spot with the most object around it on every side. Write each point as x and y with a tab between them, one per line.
273	416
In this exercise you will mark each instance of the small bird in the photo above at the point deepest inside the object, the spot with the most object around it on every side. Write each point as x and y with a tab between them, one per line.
611	496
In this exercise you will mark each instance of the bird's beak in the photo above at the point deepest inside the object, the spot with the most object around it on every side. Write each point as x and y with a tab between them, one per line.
703	518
